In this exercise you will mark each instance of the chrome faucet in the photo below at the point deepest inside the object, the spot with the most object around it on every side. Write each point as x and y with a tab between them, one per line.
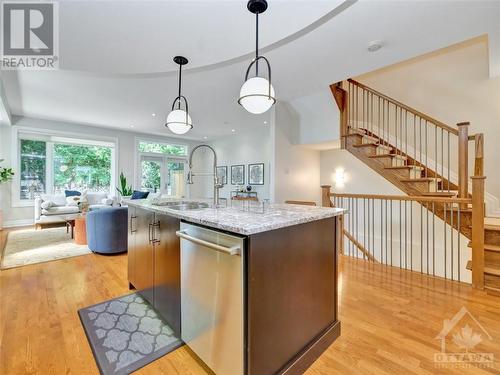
190	175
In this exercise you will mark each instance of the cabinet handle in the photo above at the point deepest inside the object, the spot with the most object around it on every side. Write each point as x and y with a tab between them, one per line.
233	250
152	226
132	217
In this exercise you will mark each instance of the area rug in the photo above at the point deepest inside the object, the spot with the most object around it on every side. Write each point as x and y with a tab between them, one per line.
126	334
29	246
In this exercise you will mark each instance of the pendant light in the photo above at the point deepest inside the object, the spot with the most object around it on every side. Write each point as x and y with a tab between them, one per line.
257	94
178	120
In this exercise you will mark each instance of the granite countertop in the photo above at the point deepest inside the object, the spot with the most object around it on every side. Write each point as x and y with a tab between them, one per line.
234	220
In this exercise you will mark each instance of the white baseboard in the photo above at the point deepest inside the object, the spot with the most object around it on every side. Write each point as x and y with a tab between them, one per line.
18	223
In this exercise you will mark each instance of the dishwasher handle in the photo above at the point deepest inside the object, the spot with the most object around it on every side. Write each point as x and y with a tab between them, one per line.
233	250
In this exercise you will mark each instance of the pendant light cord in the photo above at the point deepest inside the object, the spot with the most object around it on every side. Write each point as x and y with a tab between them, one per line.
180	80
256	44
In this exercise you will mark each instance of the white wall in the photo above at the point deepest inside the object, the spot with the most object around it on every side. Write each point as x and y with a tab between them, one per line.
125	155
250	147
319	117
296	168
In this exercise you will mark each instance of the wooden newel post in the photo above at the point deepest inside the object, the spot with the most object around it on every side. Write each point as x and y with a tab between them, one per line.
325	196
341	97
463	160
478	231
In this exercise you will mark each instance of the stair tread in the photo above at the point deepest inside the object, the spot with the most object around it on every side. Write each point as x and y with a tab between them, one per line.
400	167
385	156
492	227
439	194
352	135
365	145
487	247
422	179
488	270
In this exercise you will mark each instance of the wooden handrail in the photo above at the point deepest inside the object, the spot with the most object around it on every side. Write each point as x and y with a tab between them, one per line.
414	198
404	106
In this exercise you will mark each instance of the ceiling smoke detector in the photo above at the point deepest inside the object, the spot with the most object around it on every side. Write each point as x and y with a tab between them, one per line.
374	45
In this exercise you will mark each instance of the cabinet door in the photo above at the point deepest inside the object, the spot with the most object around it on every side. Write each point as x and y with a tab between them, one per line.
167	284
144	254
132	230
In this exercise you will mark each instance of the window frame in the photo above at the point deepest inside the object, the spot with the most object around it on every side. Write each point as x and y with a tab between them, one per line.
166	157
54	137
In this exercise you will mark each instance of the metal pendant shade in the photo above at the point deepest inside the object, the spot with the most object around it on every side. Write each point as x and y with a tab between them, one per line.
257	93
178	120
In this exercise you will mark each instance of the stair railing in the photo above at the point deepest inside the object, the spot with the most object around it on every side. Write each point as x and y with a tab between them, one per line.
426	143
404	231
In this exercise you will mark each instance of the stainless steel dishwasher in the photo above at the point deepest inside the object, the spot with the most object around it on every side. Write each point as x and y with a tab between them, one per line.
212	297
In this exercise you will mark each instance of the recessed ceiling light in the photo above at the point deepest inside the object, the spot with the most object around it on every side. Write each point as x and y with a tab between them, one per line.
205	137
153	114
131	126
265	122
233	130
374	45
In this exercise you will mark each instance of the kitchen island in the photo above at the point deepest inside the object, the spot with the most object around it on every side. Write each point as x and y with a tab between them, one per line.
249	293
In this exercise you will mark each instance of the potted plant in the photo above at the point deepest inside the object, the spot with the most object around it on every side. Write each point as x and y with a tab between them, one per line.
124	190
6	175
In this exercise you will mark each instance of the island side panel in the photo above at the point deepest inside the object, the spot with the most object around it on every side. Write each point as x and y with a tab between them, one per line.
291	296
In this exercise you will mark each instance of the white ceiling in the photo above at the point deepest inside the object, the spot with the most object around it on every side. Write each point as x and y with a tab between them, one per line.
116	67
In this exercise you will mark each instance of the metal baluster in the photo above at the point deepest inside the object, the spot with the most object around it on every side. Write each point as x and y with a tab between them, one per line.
373	227
391	231
421	239
381	232
411	235
433	239
420	141
406	235
427	235
364	226
442	157
415	139
451	241
435	150
386	237
426	151
458	242
400	237
445	257
448	162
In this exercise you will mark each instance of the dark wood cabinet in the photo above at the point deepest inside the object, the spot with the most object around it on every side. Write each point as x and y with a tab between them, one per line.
154	262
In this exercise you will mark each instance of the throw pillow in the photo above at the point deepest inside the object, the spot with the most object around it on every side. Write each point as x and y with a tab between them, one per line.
139	194
72	200
107	201
47	204
72	193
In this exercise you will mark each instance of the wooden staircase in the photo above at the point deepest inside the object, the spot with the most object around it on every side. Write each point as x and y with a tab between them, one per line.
414	152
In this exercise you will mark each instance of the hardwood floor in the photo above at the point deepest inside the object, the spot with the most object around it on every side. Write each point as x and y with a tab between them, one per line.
390	319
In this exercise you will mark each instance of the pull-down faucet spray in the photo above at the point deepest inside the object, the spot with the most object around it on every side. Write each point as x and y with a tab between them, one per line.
190	175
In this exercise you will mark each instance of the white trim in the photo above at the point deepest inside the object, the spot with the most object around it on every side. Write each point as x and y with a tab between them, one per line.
18	223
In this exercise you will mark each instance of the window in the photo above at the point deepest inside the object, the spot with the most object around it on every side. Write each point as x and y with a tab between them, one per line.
51	164
78	167
33	156
161	168
162	148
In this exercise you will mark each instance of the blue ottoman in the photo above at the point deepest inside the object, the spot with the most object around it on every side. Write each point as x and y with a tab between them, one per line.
107	230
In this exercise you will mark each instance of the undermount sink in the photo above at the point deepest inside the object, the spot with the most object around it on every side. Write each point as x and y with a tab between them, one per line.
185	206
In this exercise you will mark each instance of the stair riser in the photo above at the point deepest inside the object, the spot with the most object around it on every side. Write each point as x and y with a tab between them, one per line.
381	150
424	186
369	150
492	259
492	237
492	281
